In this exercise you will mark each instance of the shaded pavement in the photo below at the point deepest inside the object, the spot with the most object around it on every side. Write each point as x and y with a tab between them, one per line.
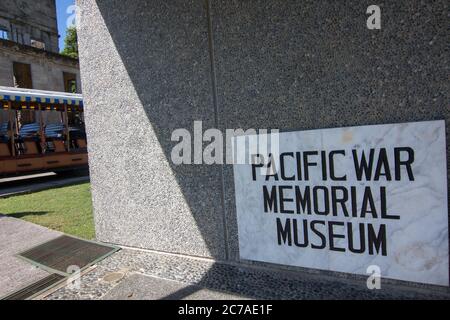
32	183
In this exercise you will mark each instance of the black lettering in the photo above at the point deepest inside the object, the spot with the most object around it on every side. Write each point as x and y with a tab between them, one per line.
341	200
377	241
282	166
354	202
383	209
255	165
326	201
333	235
284	233
299	165
307	164
303	201
270	201
362	242
368	204
271	169
407	163
331	160
363	167
305	232
324	165
383	168
283	199
319	234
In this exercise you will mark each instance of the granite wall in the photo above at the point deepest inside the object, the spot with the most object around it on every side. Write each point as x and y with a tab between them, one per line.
149	67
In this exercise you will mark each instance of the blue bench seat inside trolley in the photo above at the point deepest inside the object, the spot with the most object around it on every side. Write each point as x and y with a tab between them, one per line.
4	134
29	130
4	128
54	130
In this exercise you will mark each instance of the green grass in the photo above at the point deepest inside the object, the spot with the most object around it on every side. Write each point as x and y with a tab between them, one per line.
66	209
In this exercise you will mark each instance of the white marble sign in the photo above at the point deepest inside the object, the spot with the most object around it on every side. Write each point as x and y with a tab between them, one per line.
346	199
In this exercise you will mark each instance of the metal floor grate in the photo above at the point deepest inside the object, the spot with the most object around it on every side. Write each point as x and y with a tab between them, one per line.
65	254
35	288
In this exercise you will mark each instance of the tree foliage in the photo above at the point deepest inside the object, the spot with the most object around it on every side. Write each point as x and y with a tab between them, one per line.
71	43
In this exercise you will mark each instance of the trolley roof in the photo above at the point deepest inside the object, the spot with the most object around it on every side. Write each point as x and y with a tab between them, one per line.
40	96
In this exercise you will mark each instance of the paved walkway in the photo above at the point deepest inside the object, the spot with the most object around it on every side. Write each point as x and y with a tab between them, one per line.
136	274
16	236
132	274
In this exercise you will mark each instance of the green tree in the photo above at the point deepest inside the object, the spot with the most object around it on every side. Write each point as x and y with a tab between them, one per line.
71	43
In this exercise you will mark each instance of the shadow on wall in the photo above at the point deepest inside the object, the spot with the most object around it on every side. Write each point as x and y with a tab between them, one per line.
168	63
172	78
316	69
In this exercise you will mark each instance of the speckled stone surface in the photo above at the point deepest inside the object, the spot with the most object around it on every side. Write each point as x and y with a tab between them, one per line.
232	279
142	287
292	65
145	72
297	65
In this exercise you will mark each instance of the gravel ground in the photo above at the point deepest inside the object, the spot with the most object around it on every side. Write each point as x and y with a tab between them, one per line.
249	282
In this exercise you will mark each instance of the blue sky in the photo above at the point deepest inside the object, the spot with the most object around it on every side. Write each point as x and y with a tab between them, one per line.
62	15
